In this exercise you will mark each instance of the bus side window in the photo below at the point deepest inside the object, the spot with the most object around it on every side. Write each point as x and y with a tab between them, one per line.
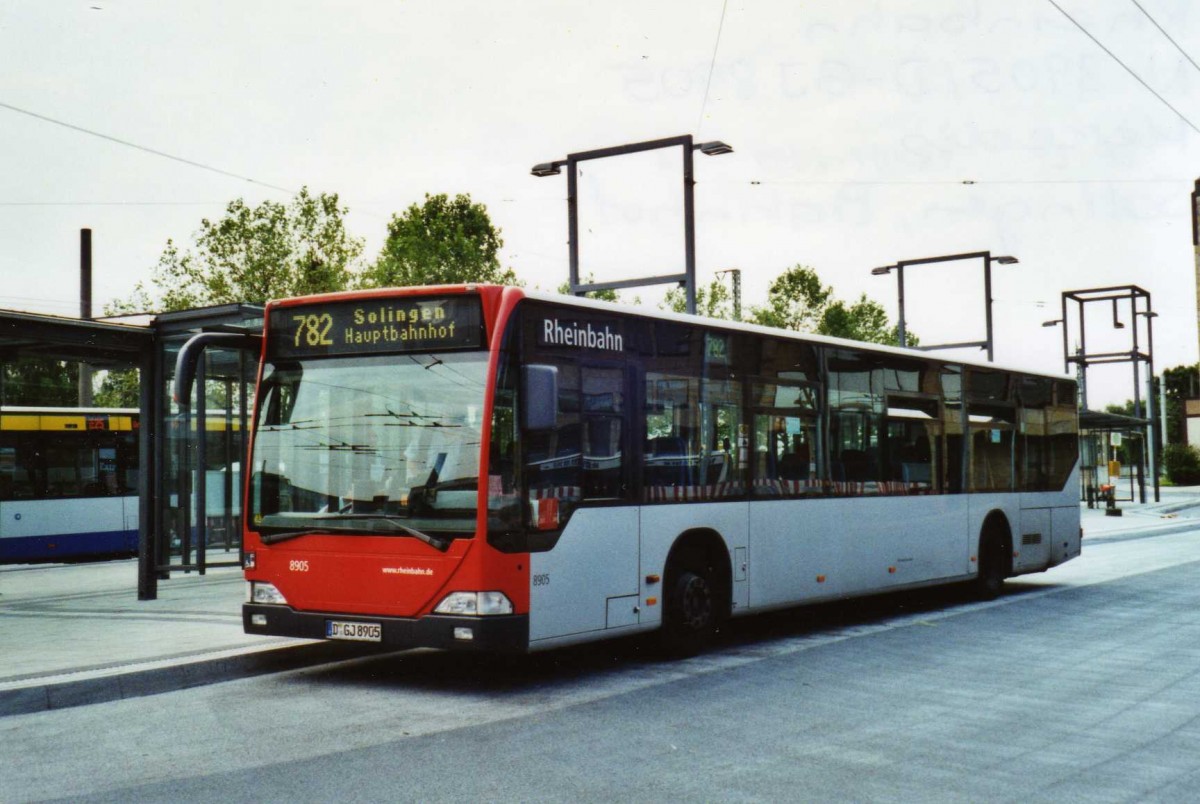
671	456
603	434
914	436
554	457
856	406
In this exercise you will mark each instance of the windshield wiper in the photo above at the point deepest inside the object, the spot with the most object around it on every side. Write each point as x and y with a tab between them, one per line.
436	542
283	536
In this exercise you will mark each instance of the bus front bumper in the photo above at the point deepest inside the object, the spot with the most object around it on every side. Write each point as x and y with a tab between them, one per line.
502	634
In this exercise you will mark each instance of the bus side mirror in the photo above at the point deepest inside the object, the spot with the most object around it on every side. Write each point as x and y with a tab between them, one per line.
539	392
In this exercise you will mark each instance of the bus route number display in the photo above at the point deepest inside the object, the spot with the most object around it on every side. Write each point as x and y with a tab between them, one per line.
414	324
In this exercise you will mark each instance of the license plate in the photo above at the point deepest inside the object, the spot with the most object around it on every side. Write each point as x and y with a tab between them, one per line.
355	632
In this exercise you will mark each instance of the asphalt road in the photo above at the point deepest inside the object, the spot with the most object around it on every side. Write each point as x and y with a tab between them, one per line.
1082	684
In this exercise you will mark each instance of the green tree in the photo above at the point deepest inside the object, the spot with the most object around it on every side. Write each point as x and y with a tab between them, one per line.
253	254
712	300
1125	409
440	242
37	381
798	299
1179	385
865	320
120	388
1182	464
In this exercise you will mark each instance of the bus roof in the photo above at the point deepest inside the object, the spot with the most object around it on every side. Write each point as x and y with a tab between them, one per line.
736	326
660	315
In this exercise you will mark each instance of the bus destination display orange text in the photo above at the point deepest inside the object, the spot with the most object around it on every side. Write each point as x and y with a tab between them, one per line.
377	326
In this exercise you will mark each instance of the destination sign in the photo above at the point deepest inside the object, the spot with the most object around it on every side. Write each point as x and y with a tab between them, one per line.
369	326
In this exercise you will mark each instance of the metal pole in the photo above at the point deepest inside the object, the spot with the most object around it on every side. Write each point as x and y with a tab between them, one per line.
737	294
1066	354
200	487
1195	215
987	295
1152	454
148	486
689	225
85	310
1137	397
1082	352
901	330
573	222
1156	423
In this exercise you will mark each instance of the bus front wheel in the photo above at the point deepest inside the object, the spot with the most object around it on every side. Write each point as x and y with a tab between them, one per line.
691	615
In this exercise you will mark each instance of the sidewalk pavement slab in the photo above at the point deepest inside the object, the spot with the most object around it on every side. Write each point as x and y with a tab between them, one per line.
75	634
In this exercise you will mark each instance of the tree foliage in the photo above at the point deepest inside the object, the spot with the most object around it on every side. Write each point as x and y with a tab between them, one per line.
1182	464
37	381
253	254
798	299
440	242
864	320
712	300
1179	384
120	388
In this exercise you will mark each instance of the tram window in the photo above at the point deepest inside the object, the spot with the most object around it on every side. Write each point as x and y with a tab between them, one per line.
17	474
64	473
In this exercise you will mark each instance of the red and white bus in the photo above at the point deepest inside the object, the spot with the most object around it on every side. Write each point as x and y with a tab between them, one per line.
490	468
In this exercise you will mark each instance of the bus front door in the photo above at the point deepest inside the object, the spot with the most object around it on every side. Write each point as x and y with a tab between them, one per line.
588	581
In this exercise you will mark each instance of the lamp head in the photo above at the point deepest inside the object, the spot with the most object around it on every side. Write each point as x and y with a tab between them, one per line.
882	270
547	169
714	148
1005	260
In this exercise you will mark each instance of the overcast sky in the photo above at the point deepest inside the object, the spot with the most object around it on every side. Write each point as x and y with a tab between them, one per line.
864	133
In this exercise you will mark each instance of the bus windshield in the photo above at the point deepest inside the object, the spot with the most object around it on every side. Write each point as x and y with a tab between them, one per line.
355	444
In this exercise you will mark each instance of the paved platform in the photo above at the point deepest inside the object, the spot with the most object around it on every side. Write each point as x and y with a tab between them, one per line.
74	634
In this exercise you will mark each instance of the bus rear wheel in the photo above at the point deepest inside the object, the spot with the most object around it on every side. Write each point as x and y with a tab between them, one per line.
690	622
992	568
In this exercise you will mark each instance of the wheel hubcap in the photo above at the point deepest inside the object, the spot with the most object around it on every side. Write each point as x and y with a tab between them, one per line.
697	604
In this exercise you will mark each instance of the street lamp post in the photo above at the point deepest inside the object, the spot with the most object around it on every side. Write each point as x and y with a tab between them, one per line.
987	258
571	163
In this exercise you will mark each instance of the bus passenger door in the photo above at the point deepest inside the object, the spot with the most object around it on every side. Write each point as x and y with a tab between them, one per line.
588	581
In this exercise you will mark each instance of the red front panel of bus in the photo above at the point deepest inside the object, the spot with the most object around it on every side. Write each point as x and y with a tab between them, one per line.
396	576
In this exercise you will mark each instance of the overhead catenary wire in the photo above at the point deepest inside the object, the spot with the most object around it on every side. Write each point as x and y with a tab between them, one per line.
1127	68
712	66
1167	35
935	182
145	149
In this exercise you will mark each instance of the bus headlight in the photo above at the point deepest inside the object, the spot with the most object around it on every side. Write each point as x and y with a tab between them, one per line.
475	604
266	593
